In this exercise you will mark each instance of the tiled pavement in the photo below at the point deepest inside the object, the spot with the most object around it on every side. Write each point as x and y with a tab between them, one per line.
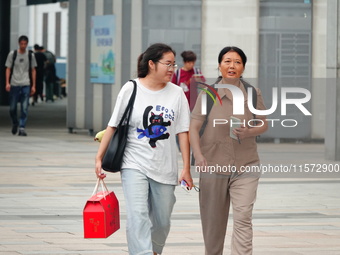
46	177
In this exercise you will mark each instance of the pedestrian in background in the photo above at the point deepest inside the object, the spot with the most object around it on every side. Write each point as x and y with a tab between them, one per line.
150	171
40	70
187	76
231	148
20	83
50	75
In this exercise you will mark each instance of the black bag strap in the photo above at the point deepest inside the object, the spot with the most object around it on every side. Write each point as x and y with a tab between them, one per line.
210	103
15	53
246	86
30	52
127	113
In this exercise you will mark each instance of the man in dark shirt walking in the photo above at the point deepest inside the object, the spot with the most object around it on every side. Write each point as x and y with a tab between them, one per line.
40	70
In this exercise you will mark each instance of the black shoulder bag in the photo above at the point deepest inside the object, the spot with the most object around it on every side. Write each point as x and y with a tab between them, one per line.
113	157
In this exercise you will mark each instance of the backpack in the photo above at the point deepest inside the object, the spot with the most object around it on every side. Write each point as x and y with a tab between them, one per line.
15	53
178	74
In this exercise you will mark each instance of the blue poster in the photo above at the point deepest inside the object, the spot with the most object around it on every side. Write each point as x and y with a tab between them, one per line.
103	49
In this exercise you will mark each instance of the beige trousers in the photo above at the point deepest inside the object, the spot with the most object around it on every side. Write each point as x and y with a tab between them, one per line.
216	193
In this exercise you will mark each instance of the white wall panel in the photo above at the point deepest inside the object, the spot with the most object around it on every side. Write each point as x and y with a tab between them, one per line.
226	23
98	88
319	70
136	35
117	11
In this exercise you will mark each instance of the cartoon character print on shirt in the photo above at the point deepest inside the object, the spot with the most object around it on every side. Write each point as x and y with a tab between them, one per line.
156	129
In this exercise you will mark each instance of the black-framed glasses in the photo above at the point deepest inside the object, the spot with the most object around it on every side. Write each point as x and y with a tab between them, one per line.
174	66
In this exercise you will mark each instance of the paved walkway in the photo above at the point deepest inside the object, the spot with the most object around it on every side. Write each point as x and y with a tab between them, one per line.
47	177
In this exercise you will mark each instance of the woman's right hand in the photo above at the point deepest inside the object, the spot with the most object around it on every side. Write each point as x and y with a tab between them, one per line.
98	169
200	161
101	151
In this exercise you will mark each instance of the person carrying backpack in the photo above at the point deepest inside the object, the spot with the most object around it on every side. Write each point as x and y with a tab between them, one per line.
50	75
20	83
185	76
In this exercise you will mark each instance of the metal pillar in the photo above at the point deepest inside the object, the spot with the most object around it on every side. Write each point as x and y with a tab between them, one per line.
332	136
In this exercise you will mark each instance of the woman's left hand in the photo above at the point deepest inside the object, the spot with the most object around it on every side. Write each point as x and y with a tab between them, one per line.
241	132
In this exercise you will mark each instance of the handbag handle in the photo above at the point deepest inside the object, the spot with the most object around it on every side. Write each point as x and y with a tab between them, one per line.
128	110
101	181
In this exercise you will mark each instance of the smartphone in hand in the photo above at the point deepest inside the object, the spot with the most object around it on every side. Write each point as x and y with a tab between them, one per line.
185	185
234	123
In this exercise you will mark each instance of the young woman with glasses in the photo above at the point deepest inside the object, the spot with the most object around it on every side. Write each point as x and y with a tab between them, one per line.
150	173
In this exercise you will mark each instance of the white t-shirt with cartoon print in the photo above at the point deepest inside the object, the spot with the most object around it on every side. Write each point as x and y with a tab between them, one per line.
156	118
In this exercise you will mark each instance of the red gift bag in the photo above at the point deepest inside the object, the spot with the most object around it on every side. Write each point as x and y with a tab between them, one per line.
101	213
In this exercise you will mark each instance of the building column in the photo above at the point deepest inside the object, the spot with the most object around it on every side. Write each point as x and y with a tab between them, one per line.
332	86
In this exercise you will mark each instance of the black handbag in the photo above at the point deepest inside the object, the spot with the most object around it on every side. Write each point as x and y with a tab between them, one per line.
113	157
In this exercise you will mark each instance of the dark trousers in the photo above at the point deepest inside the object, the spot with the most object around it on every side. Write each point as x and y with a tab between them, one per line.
19	94
39	86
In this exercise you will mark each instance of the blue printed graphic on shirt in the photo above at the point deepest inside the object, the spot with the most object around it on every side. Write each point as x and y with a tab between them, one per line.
156	129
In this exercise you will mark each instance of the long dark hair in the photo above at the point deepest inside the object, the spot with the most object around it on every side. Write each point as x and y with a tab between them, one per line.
154	53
